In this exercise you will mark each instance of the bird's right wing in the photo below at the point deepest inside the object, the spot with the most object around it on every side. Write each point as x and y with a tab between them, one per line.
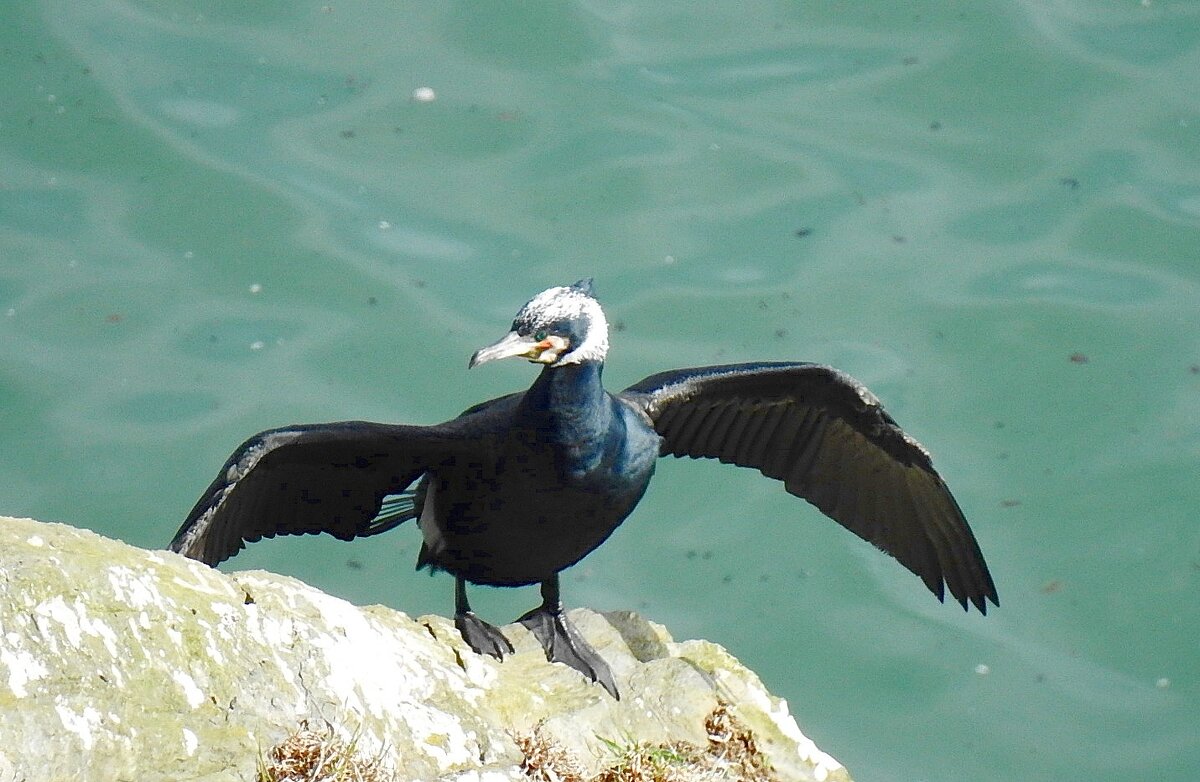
308	479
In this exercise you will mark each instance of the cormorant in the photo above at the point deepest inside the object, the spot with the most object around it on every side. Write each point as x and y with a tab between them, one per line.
517	489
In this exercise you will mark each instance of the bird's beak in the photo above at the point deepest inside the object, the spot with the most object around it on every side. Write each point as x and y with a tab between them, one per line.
513	344
544	351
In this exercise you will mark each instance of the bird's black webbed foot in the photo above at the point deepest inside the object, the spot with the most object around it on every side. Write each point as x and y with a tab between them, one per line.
563	643
482	637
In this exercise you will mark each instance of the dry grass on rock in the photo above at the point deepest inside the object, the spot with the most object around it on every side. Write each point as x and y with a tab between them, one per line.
731	755
319	756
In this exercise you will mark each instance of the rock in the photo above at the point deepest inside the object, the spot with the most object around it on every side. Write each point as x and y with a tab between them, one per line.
123	664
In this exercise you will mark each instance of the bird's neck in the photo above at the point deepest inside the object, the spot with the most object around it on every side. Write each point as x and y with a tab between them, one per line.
571	398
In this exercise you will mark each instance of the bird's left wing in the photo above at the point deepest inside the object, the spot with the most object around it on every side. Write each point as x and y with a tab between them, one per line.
308	479
830	441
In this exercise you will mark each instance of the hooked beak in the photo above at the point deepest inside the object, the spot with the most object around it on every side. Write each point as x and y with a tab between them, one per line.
544	351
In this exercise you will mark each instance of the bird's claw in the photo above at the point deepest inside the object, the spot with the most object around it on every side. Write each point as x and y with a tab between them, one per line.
564	644
482	637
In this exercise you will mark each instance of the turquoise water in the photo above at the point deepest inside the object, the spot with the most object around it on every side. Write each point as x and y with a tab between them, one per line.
220	217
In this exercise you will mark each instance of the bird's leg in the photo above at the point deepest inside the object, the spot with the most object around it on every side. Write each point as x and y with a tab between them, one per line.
479	635
562	641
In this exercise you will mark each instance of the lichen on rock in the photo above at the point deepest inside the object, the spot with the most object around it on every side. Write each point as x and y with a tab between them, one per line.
118	663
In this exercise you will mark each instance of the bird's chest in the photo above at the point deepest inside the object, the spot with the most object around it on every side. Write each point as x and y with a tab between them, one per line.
544	498
532	478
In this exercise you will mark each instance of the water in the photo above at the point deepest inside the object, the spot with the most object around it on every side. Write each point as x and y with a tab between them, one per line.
216	218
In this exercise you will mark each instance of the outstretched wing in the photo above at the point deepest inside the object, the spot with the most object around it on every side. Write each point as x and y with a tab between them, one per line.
830	441
307	479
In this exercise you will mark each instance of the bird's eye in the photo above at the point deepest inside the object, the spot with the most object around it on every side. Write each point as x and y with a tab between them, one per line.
539	335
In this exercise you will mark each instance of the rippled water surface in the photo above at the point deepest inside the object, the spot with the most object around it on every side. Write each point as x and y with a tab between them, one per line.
220	217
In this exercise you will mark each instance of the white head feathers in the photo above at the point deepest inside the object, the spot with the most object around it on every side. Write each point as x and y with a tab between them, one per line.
556	307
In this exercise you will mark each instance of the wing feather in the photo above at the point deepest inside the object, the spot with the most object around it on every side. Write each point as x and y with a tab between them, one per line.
297	480
831	442
728	424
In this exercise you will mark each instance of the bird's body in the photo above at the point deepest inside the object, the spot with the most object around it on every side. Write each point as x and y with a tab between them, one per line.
517	489
558	468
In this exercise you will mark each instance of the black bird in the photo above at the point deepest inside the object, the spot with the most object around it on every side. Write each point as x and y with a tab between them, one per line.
517	489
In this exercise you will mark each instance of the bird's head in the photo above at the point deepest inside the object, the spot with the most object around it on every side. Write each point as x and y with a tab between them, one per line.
558	326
